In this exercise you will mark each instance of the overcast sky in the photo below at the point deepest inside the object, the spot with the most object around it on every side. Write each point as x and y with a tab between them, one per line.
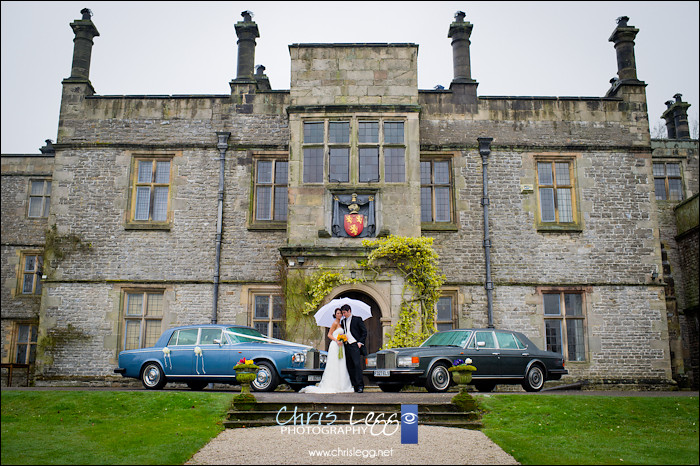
517	49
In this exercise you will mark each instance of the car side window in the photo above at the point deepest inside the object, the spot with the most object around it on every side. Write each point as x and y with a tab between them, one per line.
208	336
186	337
506	340
487	338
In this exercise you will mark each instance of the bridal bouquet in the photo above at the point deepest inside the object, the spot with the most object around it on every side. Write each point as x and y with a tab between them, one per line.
342	337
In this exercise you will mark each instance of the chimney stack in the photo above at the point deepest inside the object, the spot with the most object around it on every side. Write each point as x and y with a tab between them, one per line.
668	116
247	32
459	33
676	116
623	37
84	31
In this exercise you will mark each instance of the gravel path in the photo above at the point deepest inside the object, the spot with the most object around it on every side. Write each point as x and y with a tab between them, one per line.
436	445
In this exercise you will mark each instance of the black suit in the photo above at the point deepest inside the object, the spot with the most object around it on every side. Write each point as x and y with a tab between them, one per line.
353	355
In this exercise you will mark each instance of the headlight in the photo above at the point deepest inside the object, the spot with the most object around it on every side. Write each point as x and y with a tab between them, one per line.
371	362
408	361
299	357
324	358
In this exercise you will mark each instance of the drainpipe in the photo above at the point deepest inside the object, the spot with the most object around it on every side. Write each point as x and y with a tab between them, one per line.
222	145
485	151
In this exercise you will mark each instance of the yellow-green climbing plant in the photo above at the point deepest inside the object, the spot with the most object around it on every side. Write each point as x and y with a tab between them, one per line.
417	261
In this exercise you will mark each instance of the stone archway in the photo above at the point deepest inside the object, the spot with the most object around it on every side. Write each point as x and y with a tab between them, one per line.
374	324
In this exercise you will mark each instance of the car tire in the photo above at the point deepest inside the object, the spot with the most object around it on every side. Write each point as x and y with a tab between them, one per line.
438	379
267	379
534	379
484	386
390	387
197	385
152	376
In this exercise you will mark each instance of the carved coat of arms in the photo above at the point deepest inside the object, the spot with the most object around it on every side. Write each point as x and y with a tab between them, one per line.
354	221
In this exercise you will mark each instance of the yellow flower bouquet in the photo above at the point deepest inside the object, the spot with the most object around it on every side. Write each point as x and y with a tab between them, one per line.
341	338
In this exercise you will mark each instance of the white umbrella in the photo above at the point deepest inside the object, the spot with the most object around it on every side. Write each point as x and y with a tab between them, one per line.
324	316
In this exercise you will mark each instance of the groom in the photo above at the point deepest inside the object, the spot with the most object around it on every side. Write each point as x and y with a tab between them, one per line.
357	333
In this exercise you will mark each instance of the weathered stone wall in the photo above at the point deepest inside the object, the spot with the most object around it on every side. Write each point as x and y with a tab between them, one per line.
19	233
617	243
350	74
626	336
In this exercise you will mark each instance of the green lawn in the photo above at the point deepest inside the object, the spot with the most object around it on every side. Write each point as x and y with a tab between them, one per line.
168	427
557	429
106	427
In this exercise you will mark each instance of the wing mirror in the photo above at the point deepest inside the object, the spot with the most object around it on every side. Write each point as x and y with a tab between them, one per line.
480	344
217	342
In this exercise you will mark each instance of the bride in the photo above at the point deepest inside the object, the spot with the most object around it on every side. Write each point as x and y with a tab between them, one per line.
335	377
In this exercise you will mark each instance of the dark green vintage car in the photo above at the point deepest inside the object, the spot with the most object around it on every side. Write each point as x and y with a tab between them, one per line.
500	356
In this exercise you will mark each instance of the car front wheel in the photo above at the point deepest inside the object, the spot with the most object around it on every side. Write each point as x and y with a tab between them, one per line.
534	380
267	379
438	379
152	376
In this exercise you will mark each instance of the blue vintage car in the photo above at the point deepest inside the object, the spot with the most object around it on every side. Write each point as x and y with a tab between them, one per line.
201	354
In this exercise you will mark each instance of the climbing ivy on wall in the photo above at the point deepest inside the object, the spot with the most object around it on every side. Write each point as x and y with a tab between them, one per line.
417	261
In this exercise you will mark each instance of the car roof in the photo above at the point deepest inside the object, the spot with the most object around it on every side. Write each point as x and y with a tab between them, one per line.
181	327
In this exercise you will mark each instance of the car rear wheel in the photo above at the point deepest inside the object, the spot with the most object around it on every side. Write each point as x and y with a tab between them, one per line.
390	387
485	386
438	379
267	379
534	380
197	385
152	376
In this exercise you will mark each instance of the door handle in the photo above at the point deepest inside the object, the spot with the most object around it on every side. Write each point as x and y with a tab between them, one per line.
496	354
526	354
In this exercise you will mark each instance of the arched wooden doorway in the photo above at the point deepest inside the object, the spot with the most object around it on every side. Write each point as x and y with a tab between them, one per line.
373	324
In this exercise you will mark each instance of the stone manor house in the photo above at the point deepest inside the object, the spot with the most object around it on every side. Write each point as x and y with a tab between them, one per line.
556	216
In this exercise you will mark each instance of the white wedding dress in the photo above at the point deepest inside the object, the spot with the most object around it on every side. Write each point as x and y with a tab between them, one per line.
335	377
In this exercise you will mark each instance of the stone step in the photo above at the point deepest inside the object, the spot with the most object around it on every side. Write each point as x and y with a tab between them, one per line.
462	424
376	407
356	416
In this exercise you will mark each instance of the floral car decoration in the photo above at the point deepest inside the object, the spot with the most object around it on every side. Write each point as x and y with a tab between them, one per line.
202	354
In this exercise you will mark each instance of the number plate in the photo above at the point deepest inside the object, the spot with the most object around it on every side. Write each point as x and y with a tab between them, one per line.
314	378
382	373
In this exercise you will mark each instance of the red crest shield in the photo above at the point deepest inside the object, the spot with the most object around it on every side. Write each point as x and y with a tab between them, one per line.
354	223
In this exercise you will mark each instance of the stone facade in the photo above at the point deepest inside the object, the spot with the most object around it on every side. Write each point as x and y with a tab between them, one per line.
216	152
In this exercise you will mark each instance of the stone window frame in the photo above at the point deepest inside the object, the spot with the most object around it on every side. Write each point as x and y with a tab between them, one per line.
31	342
145	339
44	197
453	295
558	226
36	272
131	223
564	319
271	294
432	157
666	179
275	157
354	147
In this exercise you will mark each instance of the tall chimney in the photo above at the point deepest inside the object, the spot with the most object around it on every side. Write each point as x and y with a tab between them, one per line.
84	31
459	33
680	117
668	116
623	36
247	32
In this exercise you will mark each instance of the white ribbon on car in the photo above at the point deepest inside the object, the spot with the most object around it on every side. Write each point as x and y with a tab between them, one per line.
267	339
197	354
166	357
